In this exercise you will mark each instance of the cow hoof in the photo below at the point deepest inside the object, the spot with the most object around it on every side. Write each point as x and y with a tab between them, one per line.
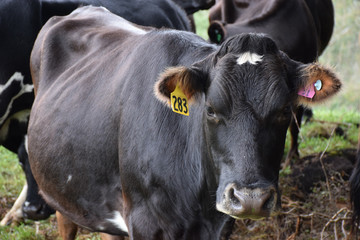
37	212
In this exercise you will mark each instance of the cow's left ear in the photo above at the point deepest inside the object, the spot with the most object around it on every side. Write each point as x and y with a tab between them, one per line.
189	79
317	83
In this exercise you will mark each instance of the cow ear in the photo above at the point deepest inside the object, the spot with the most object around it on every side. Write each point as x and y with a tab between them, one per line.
189	80
317	83
216	32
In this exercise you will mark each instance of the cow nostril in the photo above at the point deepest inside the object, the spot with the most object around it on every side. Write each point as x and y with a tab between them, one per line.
232	196
248	203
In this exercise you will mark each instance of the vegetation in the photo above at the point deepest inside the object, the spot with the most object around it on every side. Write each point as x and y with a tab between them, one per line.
333	128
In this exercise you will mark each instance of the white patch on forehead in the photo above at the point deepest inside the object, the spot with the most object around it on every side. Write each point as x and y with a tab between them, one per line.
252	58
69	178
25	88
119	222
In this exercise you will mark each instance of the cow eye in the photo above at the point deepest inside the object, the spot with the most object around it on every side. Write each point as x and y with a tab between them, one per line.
210	112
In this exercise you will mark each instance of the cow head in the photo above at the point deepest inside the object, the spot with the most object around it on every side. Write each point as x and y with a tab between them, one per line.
250	88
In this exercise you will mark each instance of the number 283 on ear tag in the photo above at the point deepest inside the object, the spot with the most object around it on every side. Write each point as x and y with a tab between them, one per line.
179	102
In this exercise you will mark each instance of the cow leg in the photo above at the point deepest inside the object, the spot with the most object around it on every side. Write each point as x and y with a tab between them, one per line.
294	131
105	236
34	207
15	215
67	229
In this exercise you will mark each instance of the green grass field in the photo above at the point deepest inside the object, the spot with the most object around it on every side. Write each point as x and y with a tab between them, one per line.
343	54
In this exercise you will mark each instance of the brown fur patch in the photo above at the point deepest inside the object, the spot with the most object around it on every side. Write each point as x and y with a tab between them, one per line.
330	83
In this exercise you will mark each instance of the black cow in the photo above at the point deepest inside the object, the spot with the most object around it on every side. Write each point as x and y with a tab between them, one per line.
20	22
301	28
108	152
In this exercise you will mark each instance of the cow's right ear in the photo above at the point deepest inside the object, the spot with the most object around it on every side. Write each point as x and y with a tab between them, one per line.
189	80
216	32
316	83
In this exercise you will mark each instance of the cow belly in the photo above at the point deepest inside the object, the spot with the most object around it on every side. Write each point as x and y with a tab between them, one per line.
76	166
90	200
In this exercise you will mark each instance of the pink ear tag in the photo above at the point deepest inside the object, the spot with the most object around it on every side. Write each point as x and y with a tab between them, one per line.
308	91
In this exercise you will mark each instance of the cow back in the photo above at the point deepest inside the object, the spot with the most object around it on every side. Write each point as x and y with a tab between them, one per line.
167	13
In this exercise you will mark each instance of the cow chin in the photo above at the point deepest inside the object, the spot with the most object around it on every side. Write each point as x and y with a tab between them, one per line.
248	203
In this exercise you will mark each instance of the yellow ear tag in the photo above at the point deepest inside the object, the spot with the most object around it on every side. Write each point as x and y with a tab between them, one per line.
179	102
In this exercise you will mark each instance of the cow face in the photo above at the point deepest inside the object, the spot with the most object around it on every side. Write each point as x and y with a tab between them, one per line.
250	88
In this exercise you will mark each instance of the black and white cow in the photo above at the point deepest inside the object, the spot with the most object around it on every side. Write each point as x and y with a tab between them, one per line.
20	22
109	153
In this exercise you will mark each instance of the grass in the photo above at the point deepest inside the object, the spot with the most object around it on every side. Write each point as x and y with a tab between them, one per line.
343	53
314	135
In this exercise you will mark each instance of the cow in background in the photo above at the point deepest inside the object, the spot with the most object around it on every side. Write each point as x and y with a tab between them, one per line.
301	28
109	153
192	6
20	22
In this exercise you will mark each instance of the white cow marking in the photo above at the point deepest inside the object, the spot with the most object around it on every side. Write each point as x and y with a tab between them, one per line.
252	58
25	88
69	178
26	144
118	221
21	116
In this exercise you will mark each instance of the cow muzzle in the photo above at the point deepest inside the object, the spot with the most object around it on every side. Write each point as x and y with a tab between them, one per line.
248	203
